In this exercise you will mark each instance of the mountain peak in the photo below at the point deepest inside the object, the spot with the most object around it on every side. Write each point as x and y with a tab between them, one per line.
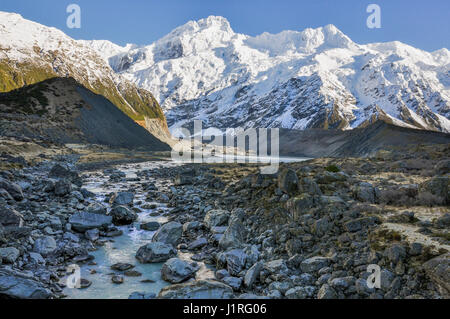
215	22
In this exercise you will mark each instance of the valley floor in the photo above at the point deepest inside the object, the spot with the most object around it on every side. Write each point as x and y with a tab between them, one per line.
134	219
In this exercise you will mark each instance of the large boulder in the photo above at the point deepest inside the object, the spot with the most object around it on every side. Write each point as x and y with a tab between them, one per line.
169	233
64	171
252	275
44	245
155	252
10	217
216	217
121	215
438	269
82	221
12	188
288	181
122	198
176	270
21	286
234	236
199	289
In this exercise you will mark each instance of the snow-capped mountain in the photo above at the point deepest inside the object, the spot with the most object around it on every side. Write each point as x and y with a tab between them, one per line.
31	52
314	78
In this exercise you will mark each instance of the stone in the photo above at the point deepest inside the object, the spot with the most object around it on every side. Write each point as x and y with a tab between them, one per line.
96	208
155	252
198	243
314	264
17	285
438	269
37	258
183	179
64	171
121	215
117	279
199	289
222	273
365	192
82	221
12	188
276	266
132	273
44	245
235	260
300	292
300	205
234	282
438	186
122	266
92	234
122	198
361	223
216	217
326	292
234	236
9	255
288	181
443	221
176	270
169	233
142	295
395	253
10	217
150	226
252	275
63	187
191	226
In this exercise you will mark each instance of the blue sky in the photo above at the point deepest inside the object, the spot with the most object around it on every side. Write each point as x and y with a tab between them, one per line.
423	24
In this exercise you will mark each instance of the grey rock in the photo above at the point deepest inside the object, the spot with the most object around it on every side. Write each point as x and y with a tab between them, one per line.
12	188
252	275
121	215
176	270
438	269
122	198
92	234
326	292
64	171
234	236
198	243
44	245
300	292
276	266
96	208
234	282
63	187
200	289
313	264
395	253
82	221
235	260
10	217
150	226
169	233
216	217
142	295
300	205
15	284
9	254
155	252
288	181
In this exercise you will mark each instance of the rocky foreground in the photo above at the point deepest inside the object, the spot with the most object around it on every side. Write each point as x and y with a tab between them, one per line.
309	231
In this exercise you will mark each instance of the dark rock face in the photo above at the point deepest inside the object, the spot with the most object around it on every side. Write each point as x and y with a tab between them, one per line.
122	198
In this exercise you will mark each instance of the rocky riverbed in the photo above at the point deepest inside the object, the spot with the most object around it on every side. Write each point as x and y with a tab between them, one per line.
167	230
